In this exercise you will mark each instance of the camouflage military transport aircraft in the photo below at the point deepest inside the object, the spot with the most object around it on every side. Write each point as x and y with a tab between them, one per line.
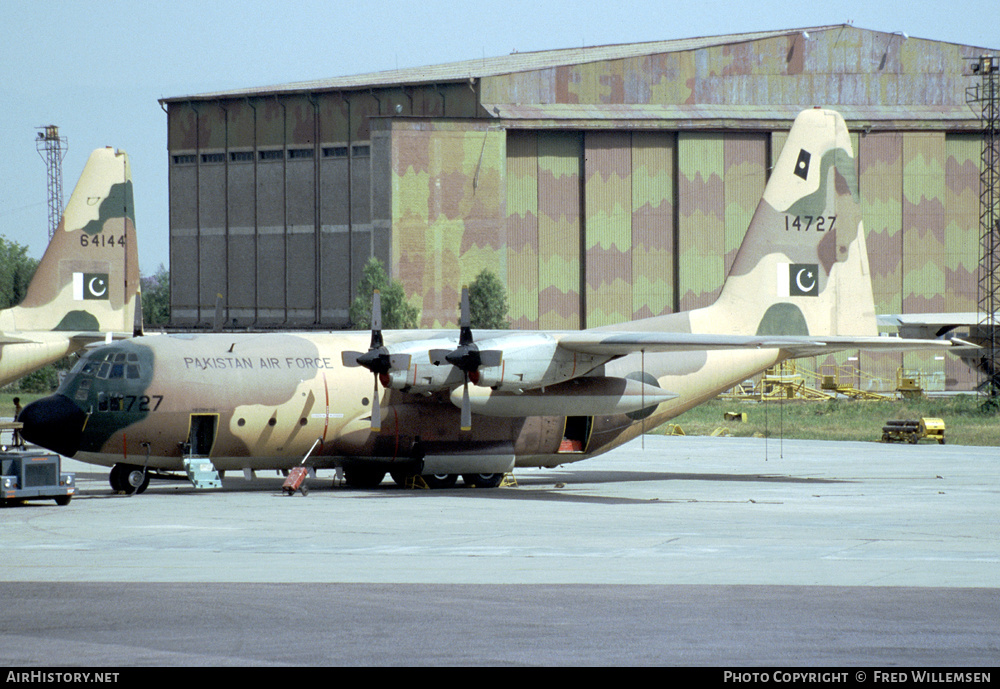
482	404
87	283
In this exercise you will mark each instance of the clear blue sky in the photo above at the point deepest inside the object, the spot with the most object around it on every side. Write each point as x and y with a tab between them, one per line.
96	69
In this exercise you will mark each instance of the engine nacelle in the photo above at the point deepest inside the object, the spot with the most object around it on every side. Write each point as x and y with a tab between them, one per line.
425	377
422	377
529	361
532	360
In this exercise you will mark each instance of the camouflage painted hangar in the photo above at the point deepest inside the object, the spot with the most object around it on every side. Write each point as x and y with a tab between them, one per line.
602	184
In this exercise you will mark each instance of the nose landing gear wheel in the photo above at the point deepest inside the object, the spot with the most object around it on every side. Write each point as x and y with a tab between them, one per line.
128	479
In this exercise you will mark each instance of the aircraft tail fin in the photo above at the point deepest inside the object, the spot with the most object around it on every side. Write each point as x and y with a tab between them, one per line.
802	268
88	278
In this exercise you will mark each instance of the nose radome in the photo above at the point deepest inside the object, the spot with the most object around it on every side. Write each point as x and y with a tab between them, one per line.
54	423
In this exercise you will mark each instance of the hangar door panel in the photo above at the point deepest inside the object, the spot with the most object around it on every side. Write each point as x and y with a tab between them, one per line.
559	230
544	194
522	228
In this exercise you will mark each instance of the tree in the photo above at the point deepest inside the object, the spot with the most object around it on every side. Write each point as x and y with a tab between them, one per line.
488	302
44	379
396	311
156	298
16	270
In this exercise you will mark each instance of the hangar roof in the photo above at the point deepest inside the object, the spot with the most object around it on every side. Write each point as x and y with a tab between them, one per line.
505	64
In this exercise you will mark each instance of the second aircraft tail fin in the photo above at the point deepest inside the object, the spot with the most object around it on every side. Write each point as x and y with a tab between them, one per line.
88	279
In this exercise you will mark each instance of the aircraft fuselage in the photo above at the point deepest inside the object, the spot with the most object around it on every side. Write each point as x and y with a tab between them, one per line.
262	401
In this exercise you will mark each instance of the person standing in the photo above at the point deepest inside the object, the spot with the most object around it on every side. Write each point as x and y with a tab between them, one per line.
17	441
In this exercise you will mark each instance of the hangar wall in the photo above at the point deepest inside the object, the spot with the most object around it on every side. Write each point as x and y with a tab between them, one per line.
270	203
602	184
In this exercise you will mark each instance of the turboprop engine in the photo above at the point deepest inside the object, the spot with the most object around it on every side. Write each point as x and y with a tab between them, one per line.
527	361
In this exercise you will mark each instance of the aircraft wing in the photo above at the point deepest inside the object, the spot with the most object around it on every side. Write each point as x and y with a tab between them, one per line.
80	338
622	343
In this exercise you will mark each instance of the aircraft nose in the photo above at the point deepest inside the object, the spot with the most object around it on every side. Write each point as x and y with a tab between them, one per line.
54	423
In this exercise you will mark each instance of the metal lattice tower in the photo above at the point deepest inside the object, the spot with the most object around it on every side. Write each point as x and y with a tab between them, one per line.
52	148
985	93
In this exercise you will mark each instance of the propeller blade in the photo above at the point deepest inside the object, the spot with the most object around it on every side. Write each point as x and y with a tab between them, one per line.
377	317
376	409
466	357
465	314
377	359
466	407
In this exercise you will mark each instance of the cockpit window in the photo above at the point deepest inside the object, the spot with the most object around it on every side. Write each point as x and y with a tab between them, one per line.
110	365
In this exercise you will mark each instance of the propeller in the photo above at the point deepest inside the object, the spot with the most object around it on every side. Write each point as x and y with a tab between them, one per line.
467	358
377	359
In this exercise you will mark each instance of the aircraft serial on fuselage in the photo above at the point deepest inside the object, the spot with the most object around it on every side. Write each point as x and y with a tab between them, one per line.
489	401
86	286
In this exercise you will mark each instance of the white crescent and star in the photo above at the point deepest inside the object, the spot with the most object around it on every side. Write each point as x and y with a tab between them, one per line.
101	283
810	276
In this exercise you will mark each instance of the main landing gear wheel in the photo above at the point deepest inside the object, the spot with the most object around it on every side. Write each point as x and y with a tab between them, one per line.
128	479
440	480
431	480
483	480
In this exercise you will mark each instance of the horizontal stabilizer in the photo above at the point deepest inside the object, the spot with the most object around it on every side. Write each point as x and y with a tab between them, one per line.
937	324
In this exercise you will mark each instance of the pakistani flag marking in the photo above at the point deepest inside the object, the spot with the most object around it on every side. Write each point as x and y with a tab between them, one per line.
90	286
798	280
802	164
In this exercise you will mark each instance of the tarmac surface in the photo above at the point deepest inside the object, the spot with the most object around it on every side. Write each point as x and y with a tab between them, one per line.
669	551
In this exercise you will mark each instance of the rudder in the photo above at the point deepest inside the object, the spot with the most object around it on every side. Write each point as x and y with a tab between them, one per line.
802	268
88	278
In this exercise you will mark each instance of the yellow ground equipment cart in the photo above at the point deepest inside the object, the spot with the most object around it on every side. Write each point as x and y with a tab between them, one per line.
910	431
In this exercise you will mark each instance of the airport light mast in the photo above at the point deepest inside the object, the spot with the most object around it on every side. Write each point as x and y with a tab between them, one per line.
987	95
53	148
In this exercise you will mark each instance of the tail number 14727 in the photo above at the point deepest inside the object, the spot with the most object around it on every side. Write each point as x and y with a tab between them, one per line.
804	223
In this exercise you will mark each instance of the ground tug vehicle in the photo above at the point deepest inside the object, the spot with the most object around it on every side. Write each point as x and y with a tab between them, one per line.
34	475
